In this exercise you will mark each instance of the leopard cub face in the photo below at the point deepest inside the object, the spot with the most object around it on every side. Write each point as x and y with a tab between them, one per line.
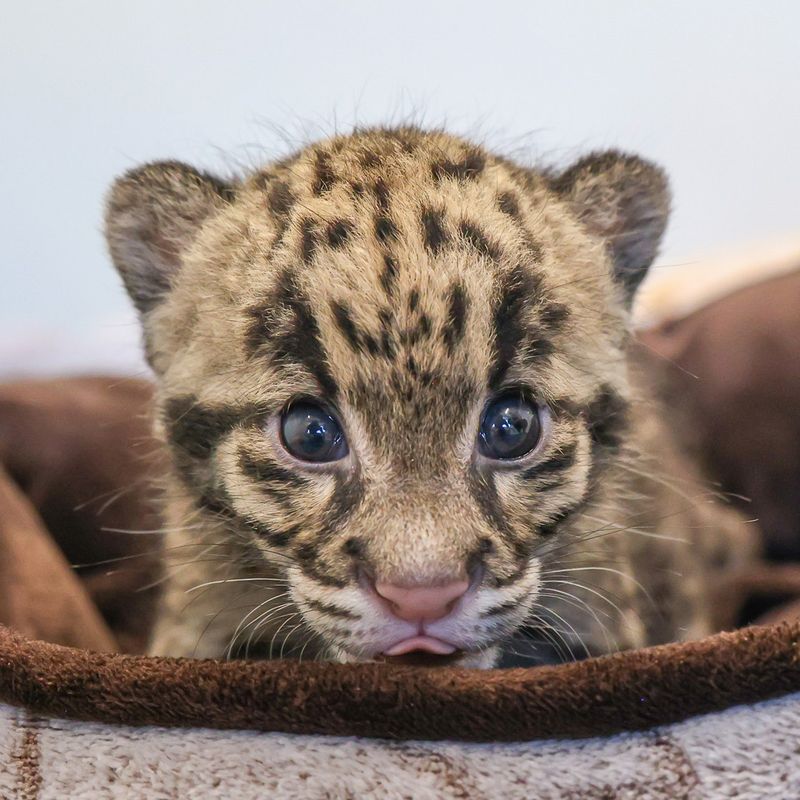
389	369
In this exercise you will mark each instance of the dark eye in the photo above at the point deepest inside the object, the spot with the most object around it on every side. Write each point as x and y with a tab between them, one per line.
510	427
311	433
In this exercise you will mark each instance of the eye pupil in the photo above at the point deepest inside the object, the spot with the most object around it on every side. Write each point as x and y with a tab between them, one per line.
311	433
510	427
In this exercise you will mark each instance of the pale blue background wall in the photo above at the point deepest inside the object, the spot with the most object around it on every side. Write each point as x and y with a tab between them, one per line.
89	88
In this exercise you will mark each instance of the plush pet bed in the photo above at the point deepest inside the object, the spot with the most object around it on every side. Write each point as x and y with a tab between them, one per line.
82	715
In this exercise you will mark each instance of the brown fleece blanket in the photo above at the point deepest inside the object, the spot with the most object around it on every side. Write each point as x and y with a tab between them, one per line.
75	489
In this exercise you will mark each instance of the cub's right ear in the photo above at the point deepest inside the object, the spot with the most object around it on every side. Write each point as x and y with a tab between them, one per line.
153	213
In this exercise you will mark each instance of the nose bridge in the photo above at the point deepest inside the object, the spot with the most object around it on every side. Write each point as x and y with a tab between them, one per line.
422	538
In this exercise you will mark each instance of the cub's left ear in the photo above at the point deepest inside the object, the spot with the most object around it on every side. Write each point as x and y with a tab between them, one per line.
153	214
625	200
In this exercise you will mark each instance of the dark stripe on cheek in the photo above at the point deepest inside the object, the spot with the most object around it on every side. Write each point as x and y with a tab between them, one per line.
485	493
196	429
607	418
347	495
556	463
307	557
502	608
216	501
551	527
264	469
329	609
433	232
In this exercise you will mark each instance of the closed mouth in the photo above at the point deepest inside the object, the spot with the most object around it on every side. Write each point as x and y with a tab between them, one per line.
422	651
421	644
418	658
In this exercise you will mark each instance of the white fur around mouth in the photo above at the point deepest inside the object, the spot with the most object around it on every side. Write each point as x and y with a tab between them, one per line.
420	644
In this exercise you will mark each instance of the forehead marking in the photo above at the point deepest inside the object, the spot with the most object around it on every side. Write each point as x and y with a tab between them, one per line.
308	240
344	322
385	229
509	204
479	240
468	168
433	232
323	174
286	321
280	199
457	304
339	232
518	288
389	273
382	195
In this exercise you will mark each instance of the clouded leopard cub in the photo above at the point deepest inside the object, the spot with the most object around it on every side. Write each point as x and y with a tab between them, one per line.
394	377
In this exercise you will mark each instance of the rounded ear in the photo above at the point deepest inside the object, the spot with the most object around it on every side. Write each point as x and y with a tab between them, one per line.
624	200
152	214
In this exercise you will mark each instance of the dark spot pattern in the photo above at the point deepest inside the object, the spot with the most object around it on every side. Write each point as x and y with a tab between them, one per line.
425	326
308	240
434	234
385	229
369	159
280	199
509	204
344	322
323	174
554	315
339	232
353	547
382	195
468	167
308	559
479	240
607	418
388	274
535	349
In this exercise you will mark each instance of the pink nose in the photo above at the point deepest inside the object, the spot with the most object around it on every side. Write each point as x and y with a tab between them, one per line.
425	603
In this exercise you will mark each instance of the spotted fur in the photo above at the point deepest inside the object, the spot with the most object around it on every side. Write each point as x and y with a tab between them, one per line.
404	277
